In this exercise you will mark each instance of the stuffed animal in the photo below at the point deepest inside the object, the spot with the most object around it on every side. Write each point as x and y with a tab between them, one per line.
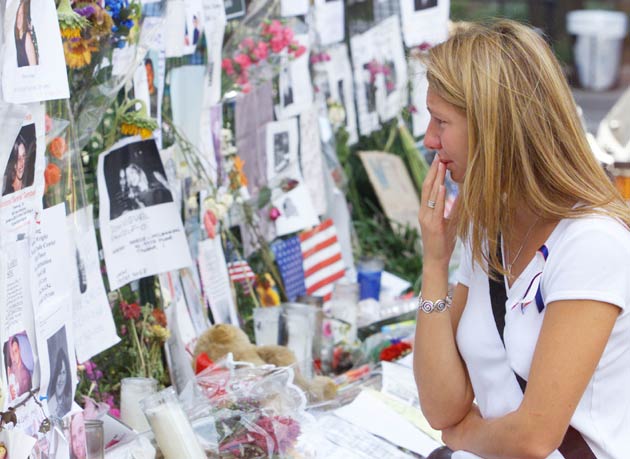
221	339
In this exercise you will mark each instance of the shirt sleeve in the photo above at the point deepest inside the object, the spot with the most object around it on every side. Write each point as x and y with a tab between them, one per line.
464	271
591	263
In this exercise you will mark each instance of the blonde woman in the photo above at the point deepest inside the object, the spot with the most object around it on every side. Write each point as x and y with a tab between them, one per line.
538	329
25	41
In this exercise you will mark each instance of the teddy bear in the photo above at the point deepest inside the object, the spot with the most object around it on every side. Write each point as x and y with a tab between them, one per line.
221	339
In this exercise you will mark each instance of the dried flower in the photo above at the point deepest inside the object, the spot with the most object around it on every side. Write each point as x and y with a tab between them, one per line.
78	52
130	311
137	122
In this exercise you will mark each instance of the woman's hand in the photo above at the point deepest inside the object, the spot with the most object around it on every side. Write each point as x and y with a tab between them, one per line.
438	233
454	437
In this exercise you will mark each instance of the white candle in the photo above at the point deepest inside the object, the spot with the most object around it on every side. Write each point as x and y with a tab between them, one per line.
173	432
132	390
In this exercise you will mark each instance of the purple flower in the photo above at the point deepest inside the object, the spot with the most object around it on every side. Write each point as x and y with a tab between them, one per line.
86	11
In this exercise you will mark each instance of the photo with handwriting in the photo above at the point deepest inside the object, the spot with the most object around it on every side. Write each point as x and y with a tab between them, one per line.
19	362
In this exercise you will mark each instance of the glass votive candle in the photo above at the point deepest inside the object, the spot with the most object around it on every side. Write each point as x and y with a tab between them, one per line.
172	429
132	390
94	439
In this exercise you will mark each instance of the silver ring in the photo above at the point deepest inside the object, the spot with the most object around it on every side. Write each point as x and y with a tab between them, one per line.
431	204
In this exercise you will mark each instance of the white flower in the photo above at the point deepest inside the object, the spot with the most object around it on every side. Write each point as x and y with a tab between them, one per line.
336	114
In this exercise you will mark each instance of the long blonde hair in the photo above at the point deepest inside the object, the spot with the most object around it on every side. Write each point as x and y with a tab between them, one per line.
526	145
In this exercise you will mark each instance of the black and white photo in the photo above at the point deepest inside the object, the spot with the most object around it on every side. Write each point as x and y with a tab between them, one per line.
135	178
282	144
234	8
419	5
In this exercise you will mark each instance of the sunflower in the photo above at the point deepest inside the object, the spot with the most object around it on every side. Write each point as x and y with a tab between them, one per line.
78	52
70	23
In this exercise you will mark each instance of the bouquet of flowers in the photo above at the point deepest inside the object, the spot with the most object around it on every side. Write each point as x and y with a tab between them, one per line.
258	412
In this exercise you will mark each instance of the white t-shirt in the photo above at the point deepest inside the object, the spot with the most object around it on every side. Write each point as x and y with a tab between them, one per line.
588	258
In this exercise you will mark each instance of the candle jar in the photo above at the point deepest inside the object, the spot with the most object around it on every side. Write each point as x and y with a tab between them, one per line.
172	429
94	439
299	330
266	325
132	390
344	308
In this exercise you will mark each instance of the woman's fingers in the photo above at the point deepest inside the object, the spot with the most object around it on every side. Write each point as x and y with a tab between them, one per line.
435	189
427	185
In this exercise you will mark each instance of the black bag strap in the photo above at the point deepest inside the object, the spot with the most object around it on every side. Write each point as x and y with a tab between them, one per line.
573	444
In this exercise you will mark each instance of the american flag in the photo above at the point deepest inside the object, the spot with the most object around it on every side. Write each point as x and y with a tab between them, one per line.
288	254
321	259
240	271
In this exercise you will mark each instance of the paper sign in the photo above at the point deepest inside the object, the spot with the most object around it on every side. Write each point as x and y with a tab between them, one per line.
216	282
296	211
419	87
293	7
34	68
294	83
94	327
329	21
424	21
141	228
394	189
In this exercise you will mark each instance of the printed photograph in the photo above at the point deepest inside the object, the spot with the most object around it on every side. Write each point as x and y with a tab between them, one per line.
19	362
60	386
135	178
419	5
280	150
20	170
25	39
76	436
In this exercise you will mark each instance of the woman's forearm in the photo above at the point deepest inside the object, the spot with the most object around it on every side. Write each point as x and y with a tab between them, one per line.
443	385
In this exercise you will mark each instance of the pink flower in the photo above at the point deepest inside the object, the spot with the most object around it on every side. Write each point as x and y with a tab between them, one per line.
243	60
242	79
412	109
226	64
247	44
288	34
277	44
273	28
261	51
115	412
390	85
274	214
130	311
210	223
299	51
246	88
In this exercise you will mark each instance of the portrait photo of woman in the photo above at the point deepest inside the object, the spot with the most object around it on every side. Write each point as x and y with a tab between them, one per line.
25	38
20	170
60	385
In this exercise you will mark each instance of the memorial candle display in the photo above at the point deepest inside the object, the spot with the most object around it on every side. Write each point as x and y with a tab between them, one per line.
173	432
132	390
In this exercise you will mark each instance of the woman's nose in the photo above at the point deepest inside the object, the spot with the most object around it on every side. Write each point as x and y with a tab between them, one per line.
431	137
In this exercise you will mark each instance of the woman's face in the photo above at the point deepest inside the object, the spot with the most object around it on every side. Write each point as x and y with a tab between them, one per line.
133	177
61	380
20	162
447	133
77	437
16	358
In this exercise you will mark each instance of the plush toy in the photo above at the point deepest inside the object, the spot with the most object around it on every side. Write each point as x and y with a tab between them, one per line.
221	339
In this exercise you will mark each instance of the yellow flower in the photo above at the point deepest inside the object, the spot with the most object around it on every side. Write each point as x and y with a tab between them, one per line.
70	22
70	32
131	130
78	53
160	332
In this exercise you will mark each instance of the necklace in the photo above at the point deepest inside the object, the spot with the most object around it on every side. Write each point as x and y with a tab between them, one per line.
520	249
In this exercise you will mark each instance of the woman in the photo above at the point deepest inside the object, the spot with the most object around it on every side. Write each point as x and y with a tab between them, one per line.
60	387
144	193
537	331
17	175
25	40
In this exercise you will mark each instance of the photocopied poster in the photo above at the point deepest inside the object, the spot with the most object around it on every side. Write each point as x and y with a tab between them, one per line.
340	87
365	64
141	228
296	211
51	290
22	164
175	28
295	91
311	159
94	327
293	7
34	67
282	150
216	282
214	28
424	21
419	86
393	186
392	78
194	25
329	21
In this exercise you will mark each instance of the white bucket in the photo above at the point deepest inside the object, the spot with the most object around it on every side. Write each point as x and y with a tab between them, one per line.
598	46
